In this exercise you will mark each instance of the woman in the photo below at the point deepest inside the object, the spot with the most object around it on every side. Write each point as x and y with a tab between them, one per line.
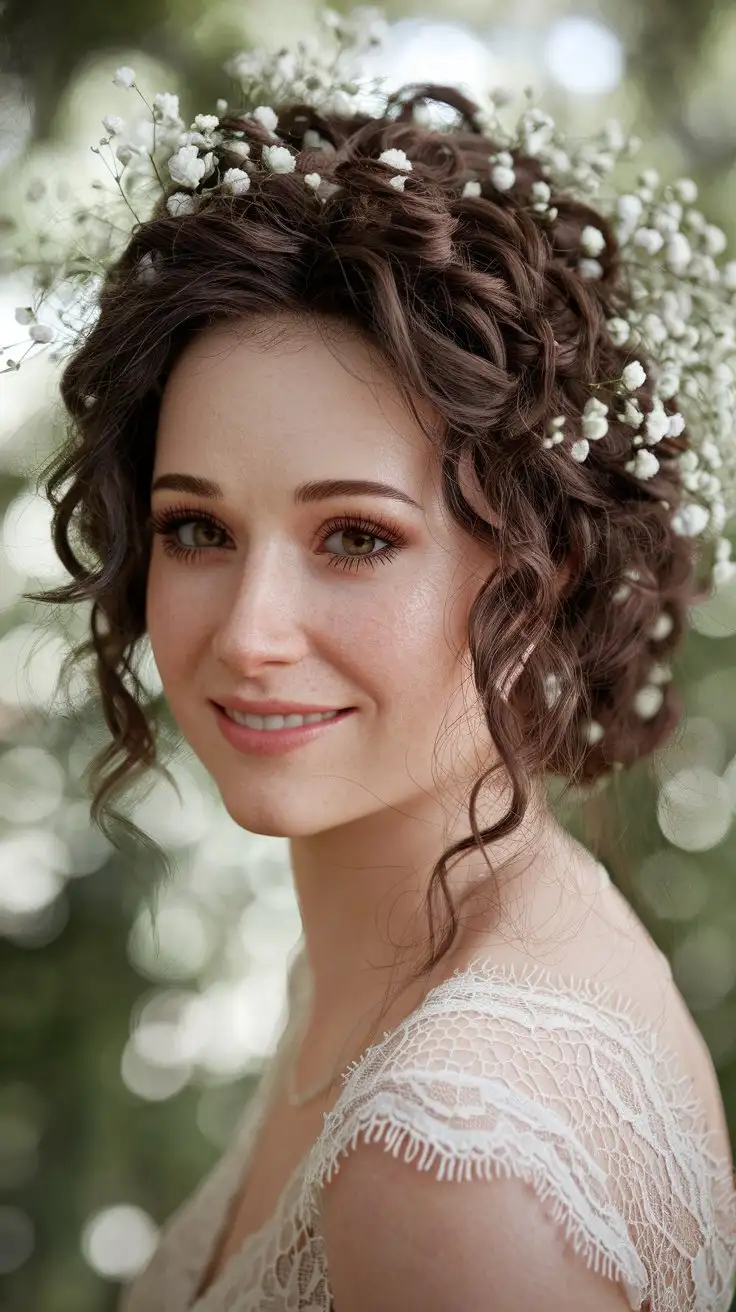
355	438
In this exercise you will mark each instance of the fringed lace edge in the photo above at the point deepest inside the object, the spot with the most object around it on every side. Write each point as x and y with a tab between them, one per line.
376	1127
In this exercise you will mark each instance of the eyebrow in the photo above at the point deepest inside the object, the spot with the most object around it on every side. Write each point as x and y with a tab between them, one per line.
304	494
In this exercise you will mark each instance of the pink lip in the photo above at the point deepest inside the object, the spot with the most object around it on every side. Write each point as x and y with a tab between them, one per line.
272	742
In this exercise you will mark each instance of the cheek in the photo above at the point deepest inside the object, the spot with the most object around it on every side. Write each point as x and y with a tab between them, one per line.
176	625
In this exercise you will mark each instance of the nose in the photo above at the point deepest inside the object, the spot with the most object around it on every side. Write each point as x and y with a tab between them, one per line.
262	615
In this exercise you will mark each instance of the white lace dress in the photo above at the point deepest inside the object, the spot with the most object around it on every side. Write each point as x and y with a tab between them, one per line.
560	1082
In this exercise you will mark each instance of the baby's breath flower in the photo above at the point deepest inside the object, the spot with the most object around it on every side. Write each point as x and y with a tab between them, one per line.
113	124
644	465
579	450
221	107
471	188
687	190
266	116
24	315
676	425
124	77
714	239
503	177
595	423
634	376
657	424
236	181
279	159
679	252
659	673
593	732
239	149
167	105
186	167
592	240
179	203
590	269
397	159
619	330
206	122
541	194
649	239
312	180
648	701
690	520
40	332
662	627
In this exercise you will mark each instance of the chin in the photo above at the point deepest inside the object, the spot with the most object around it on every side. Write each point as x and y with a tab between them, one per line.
275	817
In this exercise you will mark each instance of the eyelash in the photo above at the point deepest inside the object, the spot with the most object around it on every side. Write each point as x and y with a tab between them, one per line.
166	523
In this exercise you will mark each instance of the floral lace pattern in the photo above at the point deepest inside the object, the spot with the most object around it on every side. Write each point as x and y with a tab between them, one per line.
558	1081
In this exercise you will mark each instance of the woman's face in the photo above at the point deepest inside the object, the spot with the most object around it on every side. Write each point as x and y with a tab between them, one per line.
281	600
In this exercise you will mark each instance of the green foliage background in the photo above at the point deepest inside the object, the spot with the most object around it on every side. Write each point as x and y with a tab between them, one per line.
76	1138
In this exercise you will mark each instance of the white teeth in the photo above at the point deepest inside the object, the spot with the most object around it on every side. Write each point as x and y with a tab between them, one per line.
277	721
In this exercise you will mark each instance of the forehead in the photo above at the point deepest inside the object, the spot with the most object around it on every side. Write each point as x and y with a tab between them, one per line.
291	394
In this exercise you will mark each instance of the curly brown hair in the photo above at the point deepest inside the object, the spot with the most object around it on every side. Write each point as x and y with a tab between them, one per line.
479	308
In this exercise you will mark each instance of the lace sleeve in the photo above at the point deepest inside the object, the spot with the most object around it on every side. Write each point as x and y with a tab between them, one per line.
562	1086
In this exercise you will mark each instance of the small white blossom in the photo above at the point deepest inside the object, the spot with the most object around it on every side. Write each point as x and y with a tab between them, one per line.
40	332
679	252
279	159
186	167
676	425
113	124
633	415
690	520
648	701
593	732
180	203
221	107
669	384
592	240
541	193
634	376
167	105
236	181
397	159
619	330
206	122
595	423
659	673
239	149
312	180
687	190
471	188
124	77
729	275
503	177
630	209
723	572
644	465
398	181
590	269
24	314
657	424
662	627
579	450
266	116
715	239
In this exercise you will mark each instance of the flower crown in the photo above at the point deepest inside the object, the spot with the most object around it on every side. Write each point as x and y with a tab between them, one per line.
682	310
